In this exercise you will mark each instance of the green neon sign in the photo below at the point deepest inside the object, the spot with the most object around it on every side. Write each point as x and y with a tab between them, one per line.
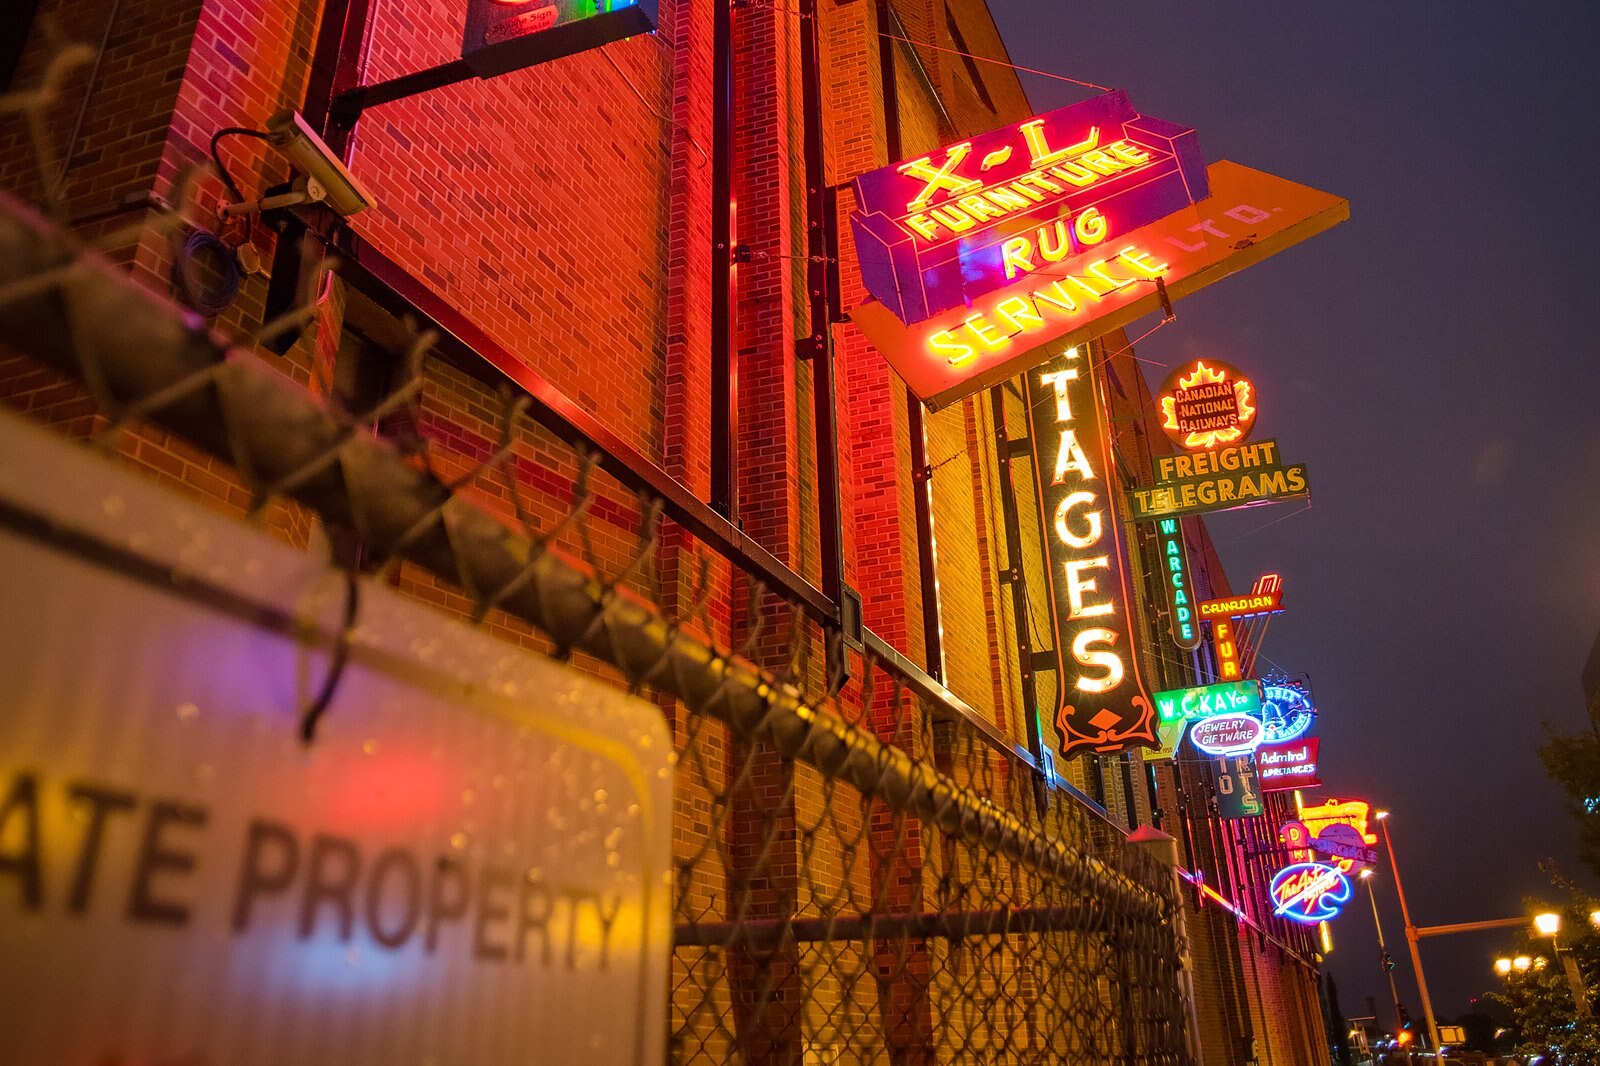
1204	701
1175	567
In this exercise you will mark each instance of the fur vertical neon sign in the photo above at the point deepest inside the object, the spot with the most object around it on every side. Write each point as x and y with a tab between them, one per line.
1103	703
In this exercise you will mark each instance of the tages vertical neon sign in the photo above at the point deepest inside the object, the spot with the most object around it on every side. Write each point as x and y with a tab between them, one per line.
1103	703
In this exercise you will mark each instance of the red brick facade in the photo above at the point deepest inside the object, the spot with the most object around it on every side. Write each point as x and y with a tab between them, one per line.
566	212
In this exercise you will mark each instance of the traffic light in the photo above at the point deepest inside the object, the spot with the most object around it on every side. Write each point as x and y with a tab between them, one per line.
1385	961
1405	1020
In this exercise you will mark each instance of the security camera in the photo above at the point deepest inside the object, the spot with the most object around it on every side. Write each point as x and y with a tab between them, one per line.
324	179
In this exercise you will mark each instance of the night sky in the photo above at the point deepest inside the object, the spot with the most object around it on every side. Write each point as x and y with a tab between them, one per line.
1433	362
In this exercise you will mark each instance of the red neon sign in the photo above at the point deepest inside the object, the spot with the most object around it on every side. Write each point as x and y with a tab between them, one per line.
1207	403
1248	216
934	232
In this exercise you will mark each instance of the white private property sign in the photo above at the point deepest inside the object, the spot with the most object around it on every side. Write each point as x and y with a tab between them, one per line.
468	865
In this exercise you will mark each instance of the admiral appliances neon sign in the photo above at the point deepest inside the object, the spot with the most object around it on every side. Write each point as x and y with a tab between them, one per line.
1103	704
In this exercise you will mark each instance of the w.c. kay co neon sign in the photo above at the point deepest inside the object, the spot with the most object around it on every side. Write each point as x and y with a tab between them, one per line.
935	232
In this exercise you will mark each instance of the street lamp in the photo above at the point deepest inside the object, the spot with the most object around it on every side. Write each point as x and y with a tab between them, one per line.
1594	919
1502	966
1382	818
1383	950
1548	924
1522	962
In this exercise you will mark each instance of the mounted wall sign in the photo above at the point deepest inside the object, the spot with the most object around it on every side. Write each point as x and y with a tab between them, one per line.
1286	710
1226	734
1103	704
1207	403
1238	795
506	35
1175	568
971	218
1206	701
1239	475
1292	764
1309	892
1264	597
988	338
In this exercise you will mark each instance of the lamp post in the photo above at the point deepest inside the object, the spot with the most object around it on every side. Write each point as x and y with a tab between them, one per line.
1411	934
1383	950
1549	924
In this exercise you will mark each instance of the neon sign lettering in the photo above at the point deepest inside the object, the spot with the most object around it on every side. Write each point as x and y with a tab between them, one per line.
1354	813
1226	734
1206	701
1175	565
934	233
1103	703
1248	216
1309	892
1288	765
1207	403
1286	711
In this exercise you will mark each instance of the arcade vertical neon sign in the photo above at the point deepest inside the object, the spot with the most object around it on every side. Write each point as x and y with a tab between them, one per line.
1103	703
1175	567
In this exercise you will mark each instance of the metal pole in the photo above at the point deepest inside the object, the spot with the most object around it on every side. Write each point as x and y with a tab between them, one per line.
1411	939
1383	953
724	367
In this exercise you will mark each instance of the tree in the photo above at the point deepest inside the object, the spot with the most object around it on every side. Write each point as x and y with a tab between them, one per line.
1572	759
1543	1012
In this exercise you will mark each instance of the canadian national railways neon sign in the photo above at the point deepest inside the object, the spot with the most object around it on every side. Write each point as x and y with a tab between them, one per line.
1103	703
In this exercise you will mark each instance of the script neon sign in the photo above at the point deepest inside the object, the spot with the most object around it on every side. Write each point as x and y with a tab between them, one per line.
935	232
1309	892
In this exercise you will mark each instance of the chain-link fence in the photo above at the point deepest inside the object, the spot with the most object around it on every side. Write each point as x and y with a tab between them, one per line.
861	874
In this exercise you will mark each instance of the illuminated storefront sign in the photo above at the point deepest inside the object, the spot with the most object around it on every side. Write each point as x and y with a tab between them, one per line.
1226	734
1205	404
1344	845
1264	597
1103	703
1248	216
1286	710
1170	735
1288	765
1237	793
1354	813
1226	646
1309	892
1205	701
937	232
1175	568
506	35
1239	475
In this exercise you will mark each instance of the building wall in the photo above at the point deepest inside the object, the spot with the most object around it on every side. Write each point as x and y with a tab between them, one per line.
565	210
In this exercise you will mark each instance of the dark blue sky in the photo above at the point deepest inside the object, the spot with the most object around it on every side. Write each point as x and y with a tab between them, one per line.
1433	361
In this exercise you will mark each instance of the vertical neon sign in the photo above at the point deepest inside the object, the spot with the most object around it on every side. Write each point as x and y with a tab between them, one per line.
1175	565
1103	703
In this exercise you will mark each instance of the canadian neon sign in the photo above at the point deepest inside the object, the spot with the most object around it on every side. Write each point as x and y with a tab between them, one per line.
1103	703
1226	734
1207	403
933	233
1175	567
1309	892
506	35
990	337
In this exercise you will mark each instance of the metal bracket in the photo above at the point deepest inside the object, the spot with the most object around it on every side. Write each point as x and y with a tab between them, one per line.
809	348
1044	662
